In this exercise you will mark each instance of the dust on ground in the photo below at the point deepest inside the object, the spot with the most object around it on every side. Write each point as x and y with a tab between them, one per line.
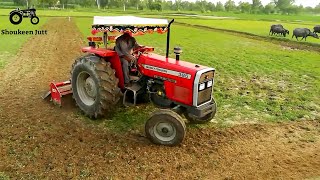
39	140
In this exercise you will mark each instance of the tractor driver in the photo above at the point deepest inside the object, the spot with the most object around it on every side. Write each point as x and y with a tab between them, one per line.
124	47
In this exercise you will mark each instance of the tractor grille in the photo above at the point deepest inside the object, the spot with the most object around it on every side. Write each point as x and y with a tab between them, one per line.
204	96
205	87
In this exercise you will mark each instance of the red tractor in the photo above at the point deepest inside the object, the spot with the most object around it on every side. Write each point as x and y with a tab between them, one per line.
179	88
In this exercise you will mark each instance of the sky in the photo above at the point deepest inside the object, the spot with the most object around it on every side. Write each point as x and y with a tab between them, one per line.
305	3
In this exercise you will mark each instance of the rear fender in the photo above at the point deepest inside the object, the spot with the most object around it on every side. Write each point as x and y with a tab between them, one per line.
109	56
18	11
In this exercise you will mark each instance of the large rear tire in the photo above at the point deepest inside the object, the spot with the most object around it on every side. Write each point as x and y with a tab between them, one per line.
165	127
95	86
15	18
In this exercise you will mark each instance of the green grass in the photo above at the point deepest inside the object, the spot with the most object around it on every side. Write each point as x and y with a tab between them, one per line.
10	44
119	11
270	17
261	28
255	80
3	176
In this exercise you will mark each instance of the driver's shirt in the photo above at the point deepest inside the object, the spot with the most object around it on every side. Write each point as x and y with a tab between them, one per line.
124	47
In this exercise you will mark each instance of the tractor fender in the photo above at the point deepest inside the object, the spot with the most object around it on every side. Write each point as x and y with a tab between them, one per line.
16	11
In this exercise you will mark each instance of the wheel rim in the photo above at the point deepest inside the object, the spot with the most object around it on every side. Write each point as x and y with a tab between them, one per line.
34	20
16	18
86	88
164	131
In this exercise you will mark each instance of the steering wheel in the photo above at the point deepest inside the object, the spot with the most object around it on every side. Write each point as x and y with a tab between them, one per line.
137	53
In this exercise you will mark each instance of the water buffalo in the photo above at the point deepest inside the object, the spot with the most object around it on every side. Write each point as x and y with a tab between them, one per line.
280	30
273	27
304	33
316	29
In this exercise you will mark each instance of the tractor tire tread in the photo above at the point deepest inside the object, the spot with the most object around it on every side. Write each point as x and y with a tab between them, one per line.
109	92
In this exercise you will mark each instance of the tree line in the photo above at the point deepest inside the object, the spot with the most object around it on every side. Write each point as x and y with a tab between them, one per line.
255	7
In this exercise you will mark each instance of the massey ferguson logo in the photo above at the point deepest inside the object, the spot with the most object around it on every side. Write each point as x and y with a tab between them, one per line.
17	15
167	71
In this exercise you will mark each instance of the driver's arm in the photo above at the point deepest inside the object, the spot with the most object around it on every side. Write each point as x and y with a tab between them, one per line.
122	50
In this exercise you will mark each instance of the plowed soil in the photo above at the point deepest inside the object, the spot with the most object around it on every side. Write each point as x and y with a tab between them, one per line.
39	140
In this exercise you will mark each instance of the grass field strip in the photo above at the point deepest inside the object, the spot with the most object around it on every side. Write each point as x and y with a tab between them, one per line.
285	42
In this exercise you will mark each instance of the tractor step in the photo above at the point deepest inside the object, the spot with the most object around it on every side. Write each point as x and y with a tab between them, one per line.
134	78
130	94
57	90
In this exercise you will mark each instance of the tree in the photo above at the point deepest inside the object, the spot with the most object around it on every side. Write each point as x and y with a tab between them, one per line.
157	5
98	3
202	5
149	4
211	6
230	5
245	7
124	3
256	6
104	3
18	2
317	8
168	5
63	3
269	8
177	5
134	3
219	6
283	5
49	2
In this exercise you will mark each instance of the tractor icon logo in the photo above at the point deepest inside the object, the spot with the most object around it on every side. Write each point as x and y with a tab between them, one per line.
17	15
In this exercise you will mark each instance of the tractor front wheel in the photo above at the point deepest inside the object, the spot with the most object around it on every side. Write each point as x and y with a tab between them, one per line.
94	85
165	127
34	20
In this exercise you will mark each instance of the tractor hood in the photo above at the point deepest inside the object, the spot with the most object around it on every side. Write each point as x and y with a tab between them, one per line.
168	67
184	82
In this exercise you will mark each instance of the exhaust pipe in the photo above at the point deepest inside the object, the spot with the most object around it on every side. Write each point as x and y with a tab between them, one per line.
177	50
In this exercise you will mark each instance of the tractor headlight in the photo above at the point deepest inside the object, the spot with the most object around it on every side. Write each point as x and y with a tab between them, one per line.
209	84
202	86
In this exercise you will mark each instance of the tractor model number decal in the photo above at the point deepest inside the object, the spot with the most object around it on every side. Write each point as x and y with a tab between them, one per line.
167	71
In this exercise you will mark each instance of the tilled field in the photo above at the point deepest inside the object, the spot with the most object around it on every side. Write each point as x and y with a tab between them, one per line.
39	140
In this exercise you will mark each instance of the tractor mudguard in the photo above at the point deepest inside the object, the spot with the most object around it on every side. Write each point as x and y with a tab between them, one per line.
110	56
14	11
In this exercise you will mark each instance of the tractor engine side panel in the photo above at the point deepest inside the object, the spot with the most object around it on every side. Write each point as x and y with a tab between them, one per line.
178	79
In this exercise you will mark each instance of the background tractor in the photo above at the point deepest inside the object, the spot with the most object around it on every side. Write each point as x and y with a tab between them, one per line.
177	87
17	15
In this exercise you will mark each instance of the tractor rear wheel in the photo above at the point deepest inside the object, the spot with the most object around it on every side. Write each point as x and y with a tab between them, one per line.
165	127
15	18
205	119
95	86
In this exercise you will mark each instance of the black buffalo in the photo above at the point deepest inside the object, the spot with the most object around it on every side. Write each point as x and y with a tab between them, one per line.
316	29
278	29
304	33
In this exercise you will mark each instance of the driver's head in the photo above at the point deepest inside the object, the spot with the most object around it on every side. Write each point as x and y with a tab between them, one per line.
127	34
